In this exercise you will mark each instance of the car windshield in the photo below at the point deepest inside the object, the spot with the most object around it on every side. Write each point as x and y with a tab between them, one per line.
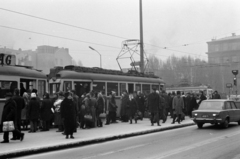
211	105
237	104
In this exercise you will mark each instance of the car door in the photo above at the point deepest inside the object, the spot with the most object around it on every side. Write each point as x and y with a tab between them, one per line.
229	111
236	112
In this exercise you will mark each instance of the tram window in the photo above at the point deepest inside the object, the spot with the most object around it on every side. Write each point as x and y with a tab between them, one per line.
123	87
99	86
54	88
41	87
155	86
67	85
146	89
112	87
138	87
7	86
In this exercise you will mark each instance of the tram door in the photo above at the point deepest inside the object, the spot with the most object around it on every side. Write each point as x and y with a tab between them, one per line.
82	87
26	84
130	88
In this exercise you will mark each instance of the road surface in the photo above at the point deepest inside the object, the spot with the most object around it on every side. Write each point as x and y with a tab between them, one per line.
211	142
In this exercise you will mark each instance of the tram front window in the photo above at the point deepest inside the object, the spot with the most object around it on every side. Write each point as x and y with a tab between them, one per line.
7	86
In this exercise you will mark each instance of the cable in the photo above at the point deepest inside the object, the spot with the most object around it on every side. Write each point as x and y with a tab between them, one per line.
53	21
174	50
57	36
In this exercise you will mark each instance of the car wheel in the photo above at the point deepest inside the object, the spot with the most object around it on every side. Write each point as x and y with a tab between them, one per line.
238	122
226	123
200	125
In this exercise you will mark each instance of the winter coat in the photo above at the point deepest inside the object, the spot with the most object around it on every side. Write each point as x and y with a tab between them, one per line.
178	104
193	104
68	114
187	104
202	98
112	107
140	101
124	105
46	112
133	107
24	114
100	105
216	96
162	103
9	111
34	109
20	105
153	102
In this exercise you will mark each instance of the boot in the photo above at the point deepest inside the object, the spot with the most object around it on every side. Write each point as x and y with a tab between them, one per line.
174	118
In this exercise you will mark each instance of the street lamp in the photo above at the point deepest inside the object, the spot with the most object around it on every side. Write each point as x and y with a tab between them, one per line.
99	55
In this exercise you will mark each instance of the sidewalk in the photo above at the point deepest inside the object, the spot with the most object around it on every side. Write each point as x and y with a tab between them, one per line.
52	140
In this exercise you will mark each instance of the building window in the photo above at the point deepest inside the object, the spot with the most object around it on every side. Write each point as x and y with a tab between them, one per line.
235	59
225	47
226	60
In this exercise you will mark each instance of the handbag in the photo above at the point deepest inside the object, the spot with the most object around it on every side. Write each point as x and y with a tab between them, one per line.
8	126
88	117
102	115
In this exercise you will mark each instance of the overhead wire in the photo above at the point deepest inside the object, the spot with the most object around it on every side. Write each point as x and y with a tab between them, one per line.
57	22
57	36
86	29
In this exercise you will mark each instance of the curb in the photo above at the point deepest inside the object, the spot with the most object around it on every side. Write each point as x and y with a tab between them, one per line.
88	142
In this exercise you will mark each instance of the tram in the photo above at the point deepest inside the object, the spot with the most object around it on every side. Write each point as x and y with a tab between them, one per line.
195	89
84	79
14	76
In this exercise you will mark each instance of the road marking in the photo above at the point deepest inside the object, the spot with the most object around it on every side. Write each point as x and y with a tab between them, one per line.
112	152
186	148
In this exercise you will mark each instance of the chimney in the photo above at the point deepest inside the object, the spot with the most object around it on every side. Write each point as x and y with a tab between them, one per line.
233	34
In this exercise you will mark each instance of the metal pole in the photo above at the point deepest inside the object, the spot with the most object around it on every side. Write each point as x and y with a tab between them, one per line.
99	55
141	38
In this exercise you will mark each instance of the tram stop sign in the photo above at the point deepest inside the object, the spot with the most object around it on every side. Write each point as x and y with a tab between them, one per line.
235	72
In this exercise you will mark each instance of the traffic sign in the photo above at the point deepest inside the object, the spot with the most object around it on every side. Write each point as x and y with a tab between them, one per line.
229	85
235	72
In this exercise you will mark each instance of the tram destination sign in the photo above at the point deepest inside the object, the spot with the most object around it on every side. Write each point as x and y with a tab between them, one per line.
7	59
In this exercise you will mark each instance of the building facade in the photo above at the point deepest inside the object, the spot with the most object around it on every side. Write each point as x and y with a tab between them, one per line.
43	58
223	57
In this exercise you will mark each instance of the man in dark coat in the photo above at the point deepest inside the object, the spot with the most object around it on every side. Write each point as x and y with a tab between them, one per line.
20	105
162	107
153	106
141	101
216	95
10	114
178	106
202	98
133	107
46	112
192	105
124	106
68	114
187	104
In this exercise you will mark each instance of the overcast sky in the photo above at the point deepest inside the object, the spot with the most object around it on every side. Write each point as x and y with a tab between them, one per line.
166	23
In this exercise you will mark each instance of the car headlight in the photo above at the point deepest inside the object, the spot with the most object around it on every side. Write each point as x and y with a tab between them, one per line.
195	114
215	115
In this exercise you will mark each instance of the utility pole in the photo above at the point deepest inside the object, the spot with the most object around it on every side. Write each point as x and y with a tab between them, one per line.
141	38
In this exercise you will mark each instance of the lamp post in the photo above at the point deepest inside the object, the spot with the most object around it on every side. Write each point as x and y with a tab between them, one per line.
99	55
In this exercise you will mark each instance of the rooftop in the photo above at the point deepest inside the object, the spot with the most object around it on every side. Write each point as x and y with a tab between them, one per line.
233	37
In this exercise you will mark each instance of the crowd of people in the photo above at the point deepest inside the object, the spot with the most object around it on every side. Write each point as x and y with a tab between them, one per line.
66	111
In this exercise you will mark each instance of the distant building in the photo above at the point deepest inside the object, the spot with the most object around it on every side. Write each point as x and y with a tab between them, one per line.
223	57
224	50
44	58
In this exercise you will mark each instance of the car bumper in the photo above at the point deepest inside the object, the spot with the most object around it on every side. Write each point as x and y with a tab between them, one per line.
208	120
